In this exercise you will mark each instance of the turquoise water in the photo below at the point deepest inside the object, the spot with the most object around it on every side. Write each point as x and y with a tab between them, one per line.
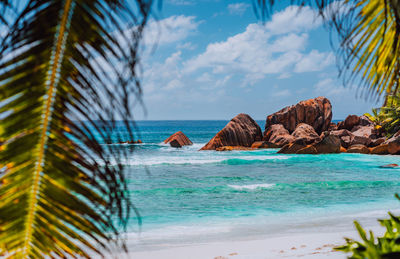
195	192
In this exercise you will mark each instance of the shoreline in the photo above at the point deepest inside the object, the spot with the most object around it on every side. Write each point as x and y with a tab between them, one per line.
312	239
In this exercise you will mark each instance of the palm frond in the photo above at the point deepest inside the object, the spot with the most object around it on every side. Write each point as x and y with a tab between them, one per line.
67	73
368	33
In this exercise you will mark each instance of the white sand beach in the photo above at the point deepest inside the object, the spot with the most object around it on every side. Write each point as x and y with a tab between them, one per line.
309	242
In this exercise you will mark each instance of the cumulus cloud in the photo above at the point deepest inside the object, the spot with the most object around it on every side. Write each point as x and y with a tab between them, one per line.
314	61
278	48
293	19
275	48
181	2
238	8
170	30
329	87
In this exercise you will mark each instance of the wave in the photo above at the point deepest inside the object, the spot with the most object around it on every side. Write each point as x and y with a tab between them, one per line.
198	160
252	186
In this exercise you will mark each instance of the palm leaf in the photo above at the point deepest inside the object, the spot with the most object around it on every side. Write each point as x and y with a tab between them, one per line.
368	30
66	75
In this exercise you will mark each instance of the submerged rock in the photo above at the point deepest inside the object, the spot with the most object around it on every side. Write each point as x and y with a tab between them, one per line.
231	148
178	139
242	131
389	166
278	135
131	142
315	112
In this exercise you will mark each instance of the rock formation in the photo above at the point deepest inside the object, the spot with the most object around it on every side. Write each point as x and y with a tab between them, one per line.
358	148
264	144
315	112
380	150
278	135
329	144
394	144
178	139
242	130
305	132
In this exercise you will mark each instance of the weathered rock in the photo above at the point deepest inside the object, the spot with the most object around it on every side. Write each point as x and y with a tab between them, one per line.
377	142
345	141
315	112
394	143
345	137
342	149
350	122
365	121
278	135
231	148
389	166
358	148
293	147
264	144
305	132
131	142
332	127
360	136
365	131
360	140
353	121
380	150
329	144
178	139
310	149
242	130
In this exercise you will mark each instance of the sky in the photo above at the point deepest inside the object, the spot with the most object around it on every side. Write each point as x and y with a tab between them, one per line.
210	60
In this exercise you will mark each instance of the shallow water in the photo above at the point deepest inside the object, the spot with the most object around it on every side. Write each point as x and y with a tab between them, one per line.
186	194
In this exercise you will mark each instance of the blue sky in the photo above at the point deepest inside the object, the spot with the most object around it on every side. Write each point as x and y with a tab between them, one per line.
214	59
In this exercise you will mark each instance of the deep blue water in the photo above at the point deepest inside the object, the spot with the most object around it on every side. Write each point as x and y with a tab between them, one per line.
186	190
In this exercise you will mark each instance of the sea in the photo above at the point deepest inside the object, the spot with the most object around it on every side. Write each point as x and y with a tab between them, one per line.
187	196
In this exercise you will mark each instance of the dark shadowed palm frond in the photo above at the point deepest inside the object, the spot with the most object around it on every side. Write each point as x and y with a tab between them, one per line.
368	31
66	75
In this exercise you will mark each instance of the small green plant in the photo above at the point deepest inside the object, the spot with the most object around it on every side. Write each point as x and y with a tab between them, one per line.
387	246
387	117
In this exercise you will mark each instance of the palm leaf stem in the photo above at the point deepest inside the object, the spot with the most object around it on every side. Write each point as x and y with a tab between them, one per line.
53	74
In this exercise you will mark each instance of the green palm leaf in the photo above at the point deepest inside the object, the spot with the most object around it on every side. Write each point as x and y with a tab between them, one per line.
368	30
66	74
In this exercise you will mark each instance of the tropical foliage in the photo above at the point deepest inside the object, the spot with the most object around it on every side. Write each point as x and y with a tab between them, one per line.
387	118
387	246
62	191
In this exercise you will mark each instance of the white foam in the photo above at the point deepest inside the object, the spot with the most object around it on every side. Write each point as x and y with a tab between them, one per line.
252	186
173	161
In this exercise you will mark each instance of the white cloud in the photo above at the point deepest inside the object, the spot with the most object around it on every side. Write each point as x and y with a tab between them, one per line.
293	19
240	60
329	87
238	8
314	61
186	45
282	93
260	50
170	30
181	2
